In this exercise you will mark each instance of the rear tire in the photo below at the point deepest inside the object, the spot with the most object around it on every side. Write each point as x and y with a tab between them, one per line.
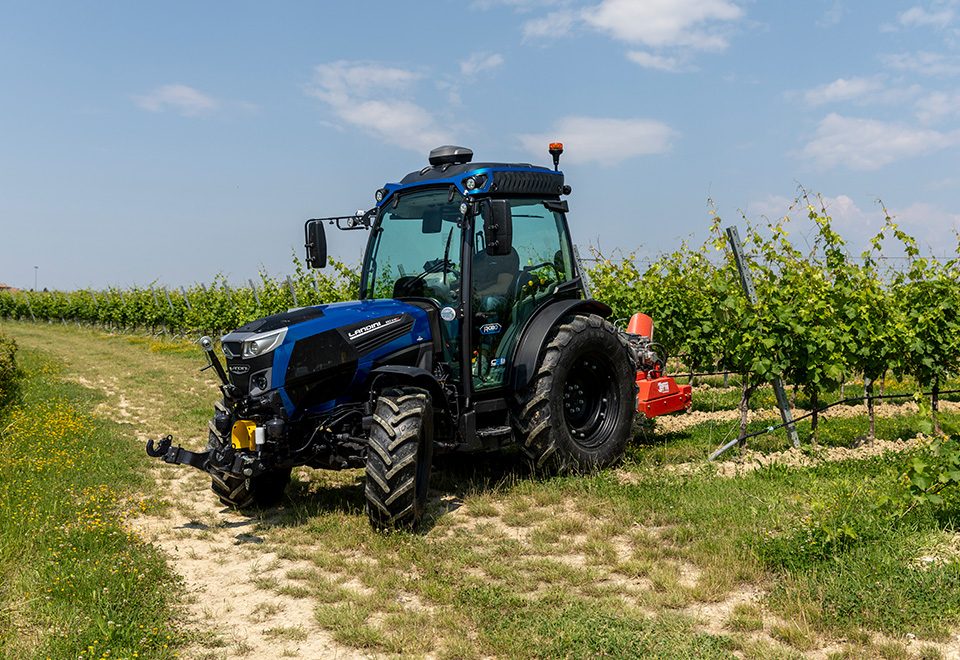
261	491
577	414
399	459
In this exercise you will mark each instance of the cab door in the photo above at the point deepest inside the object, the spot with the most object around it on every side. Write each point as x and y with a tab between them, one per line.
507	289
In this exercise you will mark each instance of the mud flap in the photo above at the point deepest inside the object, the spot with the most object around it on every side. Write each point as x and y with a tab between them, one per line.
177	455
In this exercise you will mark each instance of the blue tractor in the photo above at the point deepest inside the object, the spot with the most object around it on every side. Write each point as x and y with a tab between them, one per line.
474	332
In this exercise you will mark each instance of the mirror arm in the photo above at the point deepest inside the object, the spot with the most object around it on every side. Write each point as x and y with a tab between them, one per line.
349	222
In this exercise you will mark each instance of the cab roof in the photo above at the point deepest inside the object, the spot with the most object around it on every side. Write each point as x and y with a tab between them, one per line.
476	179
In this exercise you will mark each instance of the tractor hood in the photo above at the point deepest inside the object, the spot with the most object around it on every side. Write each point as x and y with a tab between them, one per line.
315	356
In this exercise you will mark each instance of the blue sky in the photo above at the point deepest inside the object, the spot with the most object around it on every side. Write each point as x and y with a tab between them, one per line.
171	141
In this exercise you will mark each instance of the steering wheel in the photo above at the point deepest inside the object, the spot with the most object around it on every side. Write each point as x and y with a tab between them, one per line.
440	264
410	285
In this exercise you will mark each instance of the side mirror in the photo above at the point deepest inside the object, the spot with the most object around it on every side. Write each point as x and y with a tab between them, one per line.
316	244
497	227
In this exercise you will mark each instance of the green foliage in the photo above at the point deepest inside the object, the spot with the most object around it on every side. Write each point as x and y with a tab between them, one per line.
928	294
931	476
850	555
9	373
834	524
821	318
212	308
929	297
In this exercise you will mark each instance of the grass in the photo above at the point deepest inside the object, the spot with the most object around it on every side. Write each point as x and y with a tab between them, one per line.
76	582
640	560
745	617
515	587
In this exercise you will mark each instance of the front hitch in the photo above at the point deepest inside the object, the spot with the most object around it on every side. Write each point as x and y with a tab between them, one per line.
165	450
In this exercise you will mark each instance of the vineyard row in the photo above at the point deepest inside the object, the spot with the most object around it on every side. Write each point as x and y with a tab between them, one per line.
823	315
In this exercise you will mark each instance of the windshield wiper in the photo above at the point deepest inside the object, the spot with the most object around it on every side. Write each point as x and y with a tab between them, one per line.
446	256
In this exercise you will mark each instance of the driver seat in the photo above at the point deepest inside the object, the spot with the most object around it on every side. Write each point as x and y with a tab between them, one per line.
495	275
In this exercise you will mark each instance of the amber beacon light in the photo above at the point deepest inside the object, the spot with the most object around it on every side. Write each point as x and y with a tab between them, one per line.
556	148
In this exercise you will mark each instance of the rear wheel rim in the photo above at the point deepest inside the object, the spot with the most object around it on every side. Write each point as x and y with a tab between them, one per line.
589	400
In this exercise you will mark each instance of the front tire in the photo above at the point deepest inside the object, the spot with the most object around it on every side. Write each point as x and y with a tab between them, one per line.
578	412
264	490
399	459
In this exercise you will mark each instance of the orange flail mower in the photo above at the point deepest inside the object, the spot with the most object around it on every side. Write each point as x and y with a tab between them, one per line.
657	394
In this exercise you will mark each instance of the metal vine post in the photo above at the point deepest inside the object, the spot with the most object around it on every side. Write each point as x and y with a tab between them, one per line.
746	280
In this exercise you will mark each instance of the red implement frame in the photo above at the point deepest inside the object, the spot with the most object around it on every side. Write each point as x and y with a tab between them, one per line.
660	395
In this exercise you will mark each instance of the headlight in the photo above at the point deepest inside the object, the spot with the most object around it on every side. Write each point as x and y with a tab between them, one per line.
261	344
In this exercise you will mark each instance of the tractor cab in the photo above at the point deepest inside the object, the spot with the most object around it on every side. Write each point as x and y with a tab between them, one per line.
486	244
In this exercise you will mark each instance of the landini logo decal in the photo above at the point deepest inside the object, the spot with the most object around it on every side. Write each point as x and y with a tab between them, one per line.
376	325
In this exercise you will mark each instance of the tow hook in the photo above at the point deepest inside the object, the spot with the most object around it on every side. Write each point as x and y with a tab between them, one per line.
165	450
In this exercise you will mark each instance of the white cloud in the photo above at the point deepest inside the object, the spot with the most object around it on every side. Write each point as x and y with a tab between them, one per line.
937	221
684	26
920	17
855	225
182	99
924	63
928	222
771	207
516	5
842	89
479	62
831	16
603	140
842	209
658	62
553	25
691	24
869	144
938	105
858	90
343	79
846	213
944	183
374	98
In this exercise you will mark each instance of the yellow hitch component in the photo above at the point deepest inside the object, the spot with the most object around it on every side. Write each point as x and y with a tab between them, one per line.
242	436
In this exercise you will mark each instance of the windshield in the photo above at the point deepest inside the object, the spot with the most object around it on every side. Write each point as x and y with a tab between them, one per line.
415	251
